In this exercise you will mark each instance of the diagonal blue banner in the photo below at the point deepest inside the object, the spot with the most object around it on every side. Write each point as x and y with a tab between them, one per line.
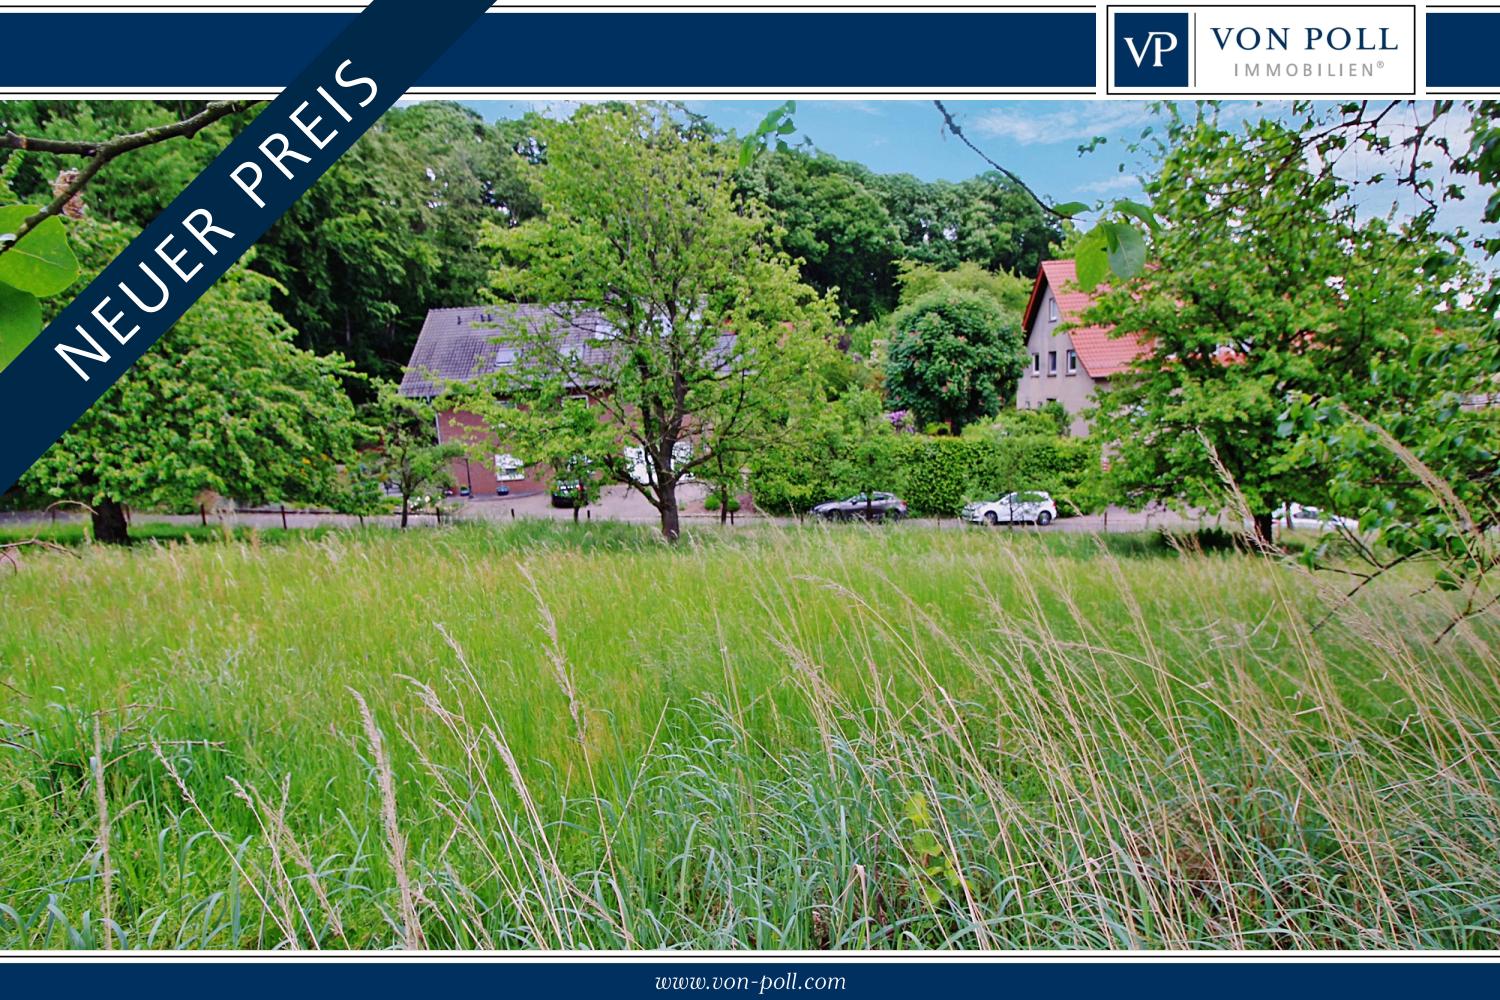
220	215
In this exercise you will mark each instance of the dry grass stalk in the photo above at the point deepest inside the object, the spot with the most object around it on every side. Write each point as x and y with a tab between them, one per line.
288	932
101	804
395	841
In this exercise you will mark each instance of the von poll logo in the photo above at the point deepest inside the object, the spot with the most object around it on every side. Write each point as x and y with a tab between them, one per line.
1151	50
1252	50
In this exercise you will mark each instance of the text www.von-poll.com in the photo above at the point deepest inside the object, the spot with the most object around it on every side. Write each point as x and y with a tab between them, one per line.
786	982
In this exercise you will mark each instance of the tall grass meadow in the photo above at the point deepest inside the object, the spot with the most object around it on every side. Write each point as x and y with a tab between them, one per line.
555	736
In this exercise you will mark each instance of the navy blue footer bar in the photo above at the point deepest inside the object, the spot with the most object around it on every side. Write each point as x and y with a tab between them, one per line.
773	978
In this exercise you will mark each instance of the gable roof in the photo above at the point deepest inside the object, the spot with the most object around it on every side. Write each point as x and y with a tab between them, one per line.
463	343
1101	352
460	344
1062	277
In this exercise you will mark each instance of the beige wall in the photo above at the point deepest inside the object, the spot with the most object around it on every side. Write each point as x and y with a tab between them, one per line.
1073	391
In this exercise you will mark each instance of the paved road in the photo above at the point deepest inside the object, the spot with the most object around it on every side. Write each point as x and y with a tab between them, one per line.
620	504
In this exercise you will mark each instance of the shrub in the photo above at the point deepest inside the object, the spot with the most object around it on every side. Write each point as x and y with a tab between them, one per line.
950	351
936	474
711	503
1013	422
1058	414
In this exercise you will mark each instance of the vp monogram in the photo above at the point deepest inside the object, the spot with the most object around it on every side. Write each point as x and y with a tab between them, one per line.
1157	44
1151	49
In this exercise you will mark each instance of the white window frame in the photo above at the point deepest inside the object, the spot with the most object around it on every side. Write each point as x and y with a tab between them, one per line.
509	469
1051	364
1036	363
1072	362
1052	313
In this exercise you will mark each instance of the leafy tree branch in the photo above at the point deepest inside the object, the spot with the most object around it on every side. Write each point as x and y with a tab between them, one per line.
100	153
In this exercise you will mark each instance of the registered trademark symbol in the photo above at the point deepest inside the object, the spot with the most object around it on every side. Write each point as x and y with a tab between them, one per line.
1380	64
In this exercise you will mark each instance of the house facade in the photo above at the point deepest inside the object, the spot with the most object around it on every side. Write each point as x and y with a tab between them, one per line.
468	342
464	343
1067	362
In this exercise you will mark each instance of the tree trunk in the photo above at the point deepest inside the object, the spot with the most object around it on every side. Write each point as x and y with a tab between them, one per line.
724	509
671	524
405	510
1264	530
109	523
576	508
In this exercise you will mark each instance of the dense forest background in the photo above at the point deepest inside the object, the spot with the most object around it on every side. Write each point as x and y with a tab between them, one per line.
394	229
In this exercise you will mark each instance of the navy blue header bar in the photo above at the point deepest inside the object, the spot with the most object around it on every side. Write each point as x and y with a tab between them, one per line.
775	50
1463	50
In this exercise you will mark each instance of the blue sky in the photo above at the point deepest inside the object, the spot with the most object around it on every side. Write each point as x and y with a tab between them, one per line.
1038	140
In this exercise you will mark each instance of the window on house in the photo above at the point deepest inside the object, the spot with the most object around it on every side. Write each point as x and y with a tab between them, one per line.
1052	310
1036	363
581	397
1072	362
509	468
1051	362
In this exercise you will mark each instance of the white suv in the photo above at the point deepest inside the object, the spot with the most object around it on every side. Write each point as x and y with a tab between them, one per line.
1026	506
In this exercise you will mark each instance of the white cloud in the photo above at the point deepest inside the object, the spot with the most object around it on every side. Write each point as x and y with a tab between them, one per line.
1074	123
1112	184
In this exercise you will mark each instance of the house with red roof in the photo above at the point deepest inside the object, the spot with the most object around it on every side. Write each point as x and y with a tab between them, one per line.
1068	362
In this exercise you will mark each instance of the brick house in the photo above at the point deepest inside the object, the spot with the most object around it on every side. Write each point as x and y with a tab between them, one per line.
457	345
1068	365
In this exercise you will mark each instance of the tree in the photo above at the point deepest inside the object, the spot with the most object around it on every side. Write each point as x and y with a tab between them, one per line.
224	402
1420	469
409	455
35	259
1267	288
826	447
390	231
837	227
863	456
1010	291
704	320
354	270
556	430
472	174
952	357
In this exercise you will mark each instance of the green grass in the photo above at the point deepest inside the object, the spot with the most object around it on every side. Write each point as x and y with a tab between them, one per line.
811	738
74	533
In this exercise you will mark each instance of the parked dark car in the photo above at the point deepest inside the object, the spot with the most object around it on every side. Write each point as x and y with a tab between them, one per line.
565	493
870	507
565	490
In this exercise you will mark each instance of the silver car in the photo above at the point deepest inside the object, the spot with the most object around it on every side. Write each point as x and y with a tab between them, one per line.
1020	507
1302	518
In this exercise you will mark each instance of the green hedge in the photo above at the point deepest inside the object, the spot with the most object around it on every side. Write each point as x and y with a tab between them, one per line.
937	475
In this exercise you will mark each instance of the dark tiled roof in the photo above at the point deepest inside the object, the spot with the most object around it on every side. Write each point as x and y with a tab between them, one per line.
459	344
